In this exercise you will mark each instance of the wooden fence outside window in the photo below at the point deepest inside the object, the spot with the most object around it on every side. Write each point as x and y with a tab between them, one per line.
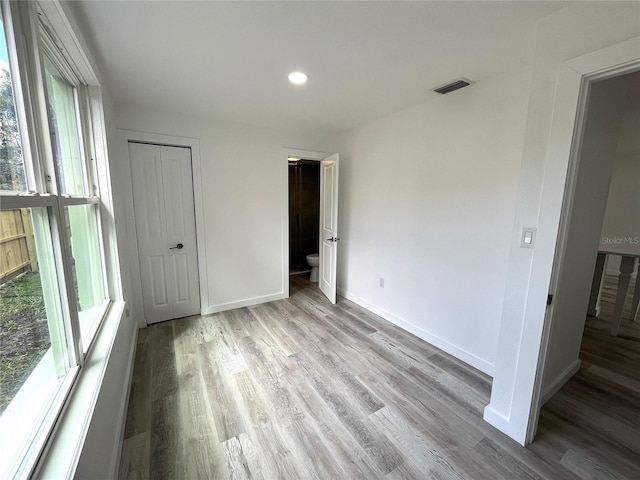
17	244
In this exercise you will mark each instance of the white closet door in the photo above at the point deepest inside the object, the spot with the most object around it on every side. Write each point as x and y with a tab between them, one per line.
165	227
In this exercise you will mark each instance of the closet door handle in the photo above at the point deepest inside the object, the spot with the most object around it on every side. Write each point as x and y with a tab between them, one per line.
178	247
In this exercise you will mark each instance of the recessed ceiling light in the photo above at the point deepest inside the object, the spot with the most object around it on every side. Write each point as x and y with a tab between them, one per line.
298	78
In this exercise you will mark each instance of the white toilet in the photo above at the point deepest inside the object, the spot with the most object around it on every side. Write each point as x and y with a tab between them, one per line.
314	261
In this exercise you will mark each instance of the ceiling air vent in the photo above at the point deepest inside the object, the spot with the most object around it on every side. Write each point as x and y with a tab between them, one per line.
453	86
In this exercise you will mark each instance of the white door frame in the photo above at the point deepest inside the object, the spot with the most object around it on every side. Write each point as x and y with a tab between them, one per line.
516	391
523	339
577	75
306	155
124	137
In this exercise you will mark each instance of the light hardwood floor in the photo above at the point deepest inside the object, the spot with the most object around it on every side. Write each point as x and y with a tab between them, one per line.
303	389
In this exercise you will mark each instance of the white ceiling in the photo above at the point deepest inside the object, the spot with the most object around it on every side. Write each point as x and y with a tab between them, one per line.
365	60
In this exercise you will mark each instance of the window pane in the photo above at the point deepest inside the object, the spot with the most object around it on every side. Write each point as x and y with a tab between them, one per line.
65	138
34	358
12	176
87	264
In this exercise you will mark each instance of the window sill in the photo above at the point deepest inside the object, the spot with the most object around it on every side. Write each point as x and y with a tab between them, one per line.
64	447
90	321
39	399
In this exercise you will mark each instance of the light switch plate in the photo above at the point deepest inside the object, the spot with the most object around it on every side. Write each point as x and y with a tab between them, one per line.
528	237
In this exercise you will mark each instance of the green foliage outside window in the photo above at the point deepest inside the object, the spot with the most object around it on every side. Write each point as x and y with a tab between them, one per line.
12	175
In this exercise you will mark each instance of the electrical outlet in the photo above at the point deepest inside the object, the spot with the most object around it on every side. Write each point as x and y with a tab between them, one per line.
381	282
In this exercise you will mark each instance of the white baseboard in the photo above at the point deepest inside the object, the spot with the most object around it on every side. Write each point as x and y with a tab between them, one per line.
124	404
502	423
428	337
559	382
496	419
222	307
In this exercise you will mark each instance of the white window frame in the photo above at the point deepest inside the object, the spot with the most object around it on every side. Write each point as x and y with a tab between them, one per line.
52	48
30	36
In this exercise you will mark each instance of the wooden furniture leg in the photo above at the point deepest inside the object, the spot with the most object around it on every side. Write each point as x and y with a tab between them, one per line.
626	267
636	297
592	311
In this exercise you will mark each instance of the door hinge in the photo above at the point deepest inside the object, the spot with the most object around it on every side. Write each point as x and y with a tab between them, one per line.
549	299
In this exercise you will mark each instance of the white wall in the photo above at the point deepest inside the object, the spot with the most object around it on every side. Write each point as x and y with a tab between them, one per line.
427	199
600	140
244	185
621	227
579	29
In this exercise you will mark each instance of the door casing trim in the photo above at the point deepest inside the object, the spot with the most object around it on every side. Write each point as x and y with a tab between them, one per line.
126	136
578	74
306	155
516	390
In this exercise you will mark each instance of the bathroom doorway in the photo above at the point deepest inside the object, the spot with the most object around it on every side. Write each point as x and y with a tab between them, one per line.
304	214
313	214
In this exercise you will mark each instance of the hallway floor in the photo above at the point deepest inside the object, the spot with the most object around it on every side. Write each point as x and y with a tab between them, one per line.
592	425
300	388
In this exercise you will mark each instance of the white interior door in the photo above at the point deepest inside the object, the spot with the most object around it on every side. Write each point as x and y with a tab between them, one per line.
329	226
165	227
